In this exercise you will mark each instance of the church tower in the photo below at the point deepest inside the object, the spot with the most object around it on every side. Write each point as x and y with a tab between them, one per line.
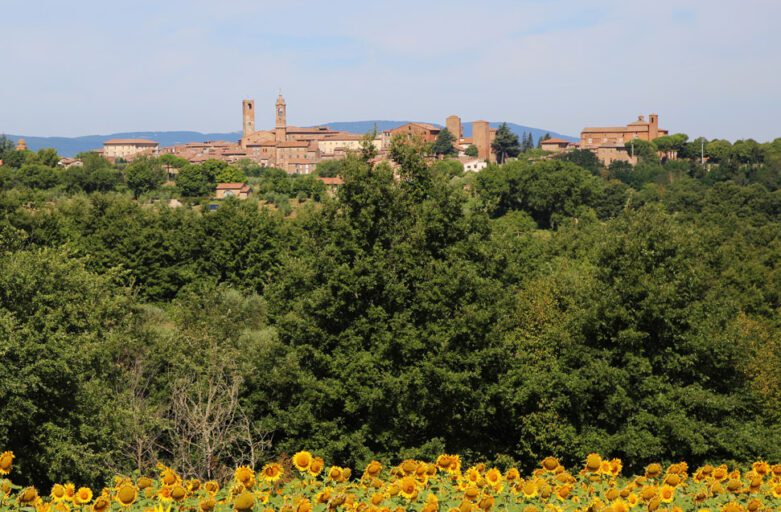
281	127
248	113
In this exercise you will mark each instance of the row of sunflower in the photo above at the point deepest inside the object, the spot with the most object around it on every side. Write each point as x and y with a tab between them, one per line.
436	486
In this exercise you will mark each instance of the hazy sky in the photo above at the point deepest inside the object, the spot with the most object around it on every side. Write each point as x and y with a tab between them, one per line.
78	67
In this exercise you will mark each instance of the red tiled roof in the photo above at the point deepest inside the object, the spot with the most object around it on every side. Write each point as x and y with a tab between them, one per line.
332	181
555	140
137	142
231	186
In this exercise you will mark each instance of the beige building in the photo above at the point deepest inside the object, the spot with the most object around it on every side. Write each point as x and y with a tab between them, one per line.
237	190
556	145
127	149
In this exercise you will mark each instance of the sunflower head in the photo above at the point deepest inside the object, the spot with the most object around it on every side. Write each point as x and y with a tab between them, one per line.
244	474
126	495
82	496
593	462
271	472
302	460
6	462
244	501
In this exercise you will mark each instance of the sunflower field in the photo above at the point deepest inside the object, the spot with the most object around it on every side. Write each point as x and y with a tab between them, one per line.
303	483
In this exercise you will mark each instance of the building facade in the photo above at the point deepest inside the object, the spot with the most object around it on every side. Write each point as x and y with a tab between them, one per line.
128	149
594	137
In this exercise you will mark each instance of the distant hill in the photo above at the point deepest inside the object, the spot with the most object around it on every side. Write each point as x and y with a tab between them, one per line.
70	146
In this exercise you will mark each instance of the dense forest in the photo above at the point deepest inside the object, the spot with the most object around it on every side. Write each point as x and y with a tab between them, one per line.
545	306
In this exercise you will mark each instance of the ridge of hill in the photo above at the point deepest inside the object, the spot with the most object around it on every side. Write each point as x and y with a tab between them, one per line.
70	146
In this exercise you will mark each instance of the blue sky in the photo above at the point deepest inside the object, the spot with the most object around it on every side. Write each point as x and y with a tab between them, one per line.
84	67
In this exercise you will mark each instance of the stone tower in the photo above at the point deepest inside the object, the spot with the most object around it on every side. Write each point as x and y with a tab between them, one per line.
248	113
481	138
21	145
453	125
653	126
281	126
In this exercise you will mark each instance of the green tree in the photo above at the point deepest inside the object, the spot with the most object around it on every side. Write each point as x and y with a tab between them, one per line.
505	144
47	157
6	146
443	145
642	149
144	175
230	175
471	150
195	181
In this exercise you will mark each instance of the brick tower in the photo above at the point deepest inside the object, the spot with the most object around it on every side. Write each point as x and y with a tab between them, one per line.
281	126
248	114
481	138
453	125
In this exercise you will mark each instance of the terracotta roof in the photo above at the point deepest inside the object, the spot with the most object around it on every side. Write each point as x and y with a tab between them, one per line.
331	181
130	141
555	140
231	186
607	129
293	144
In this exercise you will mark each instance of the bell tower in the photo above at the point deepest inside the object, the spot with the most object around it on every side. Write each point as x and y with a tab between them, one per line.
248	113
281	126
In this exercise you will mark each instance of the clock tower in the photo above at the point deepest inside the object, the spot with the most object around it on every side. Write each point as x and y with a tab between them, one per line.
281	126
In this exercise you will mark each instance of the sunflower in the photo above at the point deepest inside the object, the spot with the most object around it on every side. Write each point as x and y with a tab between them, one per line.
6	462
207	504
169	477
335	474
57	493
512	475
373	469
244	474
212	487
493	477
593	462
486	503
304	506
667	494
82	496
302	460
550	463
244	501
126	495
271	472
471	493
178	493
28	495
409	467
776	491
443	462
653	470
732	507
408	488
144	482
530	489
316	466
101	503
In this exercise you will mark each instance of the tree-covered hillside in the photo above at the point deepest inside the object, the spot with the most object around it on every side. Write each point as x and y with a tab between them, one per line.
547	306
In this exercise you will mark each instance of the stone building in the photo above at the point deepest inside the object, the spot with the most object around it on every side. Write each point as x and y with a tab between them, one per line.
237	190
592	138
128	149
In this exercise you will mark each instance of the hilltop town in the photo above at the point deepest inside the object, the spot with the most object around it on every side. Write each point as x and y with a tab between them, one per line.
298	150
